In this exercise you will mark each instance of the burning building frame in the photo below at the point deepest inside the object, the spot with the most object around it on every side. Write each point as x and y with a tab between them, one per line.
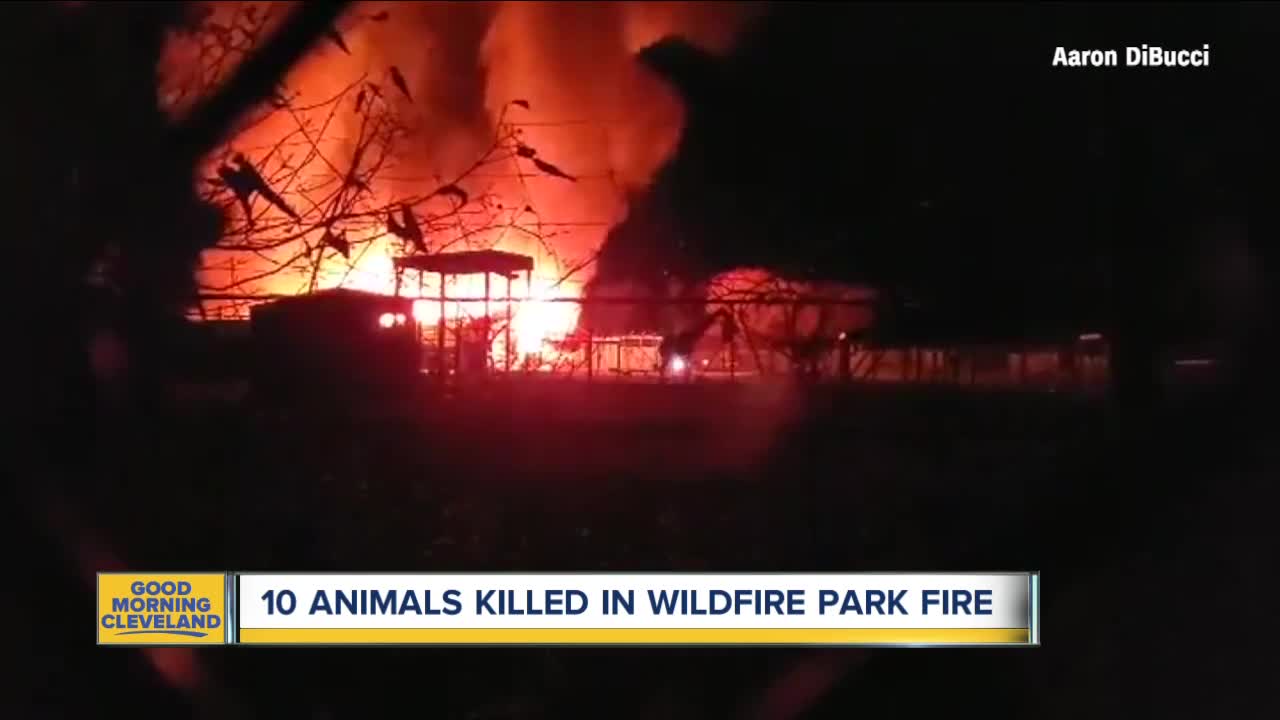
487	263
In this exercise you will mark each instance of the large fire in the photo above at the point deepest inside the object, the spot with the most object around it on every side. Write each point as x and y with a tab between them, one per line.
449	78
540	314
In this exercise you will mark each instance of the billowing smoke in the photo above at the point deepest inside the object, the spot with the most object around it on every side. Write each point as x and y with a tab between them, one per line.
588	106
436	46
592	109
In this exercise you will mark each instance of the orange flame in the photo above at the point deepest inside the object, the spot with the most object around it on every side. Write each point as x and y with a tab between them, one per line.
584	104
536	320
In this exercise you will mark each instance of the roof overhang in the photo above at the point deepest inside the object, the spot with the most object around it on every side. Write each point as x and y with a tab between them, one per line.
471	262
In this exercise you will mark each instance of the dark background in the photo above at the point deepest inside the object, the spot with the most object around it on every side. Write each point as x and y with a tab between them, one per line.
928	149
933	149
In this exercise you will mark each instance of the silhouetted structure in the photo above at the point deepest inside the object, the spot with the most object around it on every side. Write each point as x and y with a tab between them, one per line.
333	343
473	262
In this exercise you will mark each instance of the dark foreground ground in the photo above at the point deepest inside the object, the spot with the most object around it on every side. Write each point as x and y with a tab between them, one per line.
1151	534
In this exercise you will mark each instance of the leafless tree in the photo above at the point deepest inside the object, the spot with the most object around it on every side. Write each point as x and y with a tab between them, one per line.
800	321
306	207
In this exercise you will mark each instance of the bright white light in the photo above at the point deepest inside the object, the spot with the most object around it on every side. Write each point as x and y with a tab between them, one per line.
400	318
677	364
1091	336
386	320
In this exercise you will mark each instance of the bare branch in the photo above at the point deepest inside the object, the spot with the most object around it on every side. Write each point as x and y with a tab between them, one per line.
333	166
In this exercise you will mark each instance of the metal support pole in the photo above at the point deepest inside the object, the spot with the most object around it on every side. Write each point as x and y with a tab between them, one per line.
440	330
528	296
488	341
457	338
591	356
507	352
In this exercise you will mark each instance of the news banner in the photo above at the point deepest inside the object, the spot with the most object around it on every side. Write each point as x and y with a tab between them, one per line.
917	610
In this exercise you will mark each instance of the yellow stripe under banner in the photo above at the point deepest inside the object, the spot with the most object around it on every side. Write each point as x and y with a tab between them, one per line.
634	636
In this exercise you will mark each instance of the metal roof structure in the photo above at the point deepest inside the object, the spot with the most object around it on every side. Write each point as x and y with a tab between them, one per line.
470	262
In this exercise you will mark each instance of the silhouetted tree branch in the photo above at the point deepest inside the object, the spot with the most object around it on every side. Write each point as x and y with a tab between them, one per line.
308	207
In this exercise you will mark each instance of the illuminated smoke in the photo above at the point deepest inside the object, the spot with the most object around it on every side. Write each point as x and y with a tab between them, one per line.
592	110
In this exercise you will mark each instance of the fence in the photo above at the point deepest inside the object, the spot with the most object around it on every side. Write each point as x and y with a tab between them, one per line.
732	340
637	358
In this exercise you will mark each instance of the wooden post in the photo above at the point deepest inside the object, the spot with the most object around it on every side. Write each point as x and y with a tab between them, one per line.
507	352
488	341
457	337
528	294
845	370
440	329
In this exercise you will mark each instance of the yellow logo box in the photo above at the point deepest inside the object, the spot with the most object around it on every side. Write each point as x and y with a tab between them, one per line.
162	609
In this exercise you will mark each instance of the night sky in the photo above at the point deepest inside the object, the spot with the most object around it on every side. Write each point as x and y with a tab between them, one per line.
934	150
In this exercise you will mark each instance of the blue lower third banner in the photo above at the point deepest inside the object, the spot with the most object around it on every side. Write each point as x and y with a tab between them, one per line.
934	609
